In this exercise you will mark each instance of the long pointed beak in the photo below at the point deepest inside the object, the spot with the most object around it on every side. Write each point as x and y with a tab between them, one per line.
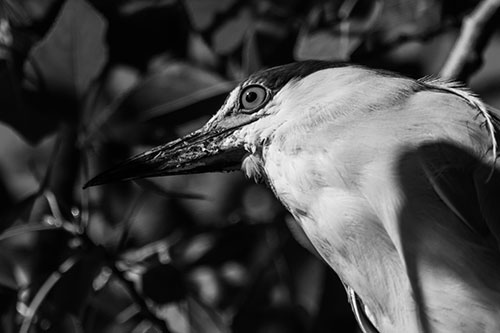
206	150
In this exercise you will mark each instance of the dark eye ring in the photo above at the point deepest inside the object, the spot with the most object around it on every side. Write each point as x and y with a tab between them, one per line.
253	97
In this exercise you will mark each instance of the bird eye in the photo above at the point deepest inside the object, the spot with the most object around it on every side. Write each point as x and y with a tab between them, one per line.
253	97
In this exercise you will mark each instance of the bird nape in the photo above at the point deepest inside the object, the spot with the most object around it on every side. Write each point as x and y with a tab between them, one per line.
394	181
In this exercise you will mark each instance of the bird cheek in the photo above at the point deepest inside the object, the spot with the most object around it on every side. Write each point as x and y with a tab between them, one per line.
252	167
251	148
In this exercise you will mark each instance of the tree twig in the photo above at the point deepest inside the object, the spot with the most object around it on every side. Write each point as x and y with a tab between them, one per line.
139	300
466	56
130	287
47	286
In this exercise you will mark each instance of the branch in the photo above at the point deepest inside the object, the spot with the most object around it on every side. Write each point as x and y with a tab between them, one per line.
129	285
466	56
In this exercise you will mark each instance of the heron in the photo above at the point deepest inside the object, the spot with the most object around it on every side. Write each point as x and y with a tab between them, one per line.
394	181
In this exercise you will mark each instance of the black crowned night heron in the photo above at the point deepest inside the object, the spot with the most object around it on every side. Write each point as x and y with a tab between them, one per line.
394	181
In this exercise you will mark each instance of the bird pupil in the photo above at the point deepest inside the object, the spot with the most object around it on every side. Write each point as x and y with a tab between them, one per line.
251	96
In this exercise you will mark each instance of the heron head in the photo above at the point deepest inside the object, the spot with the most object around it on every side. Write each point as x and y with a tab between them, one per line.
236	133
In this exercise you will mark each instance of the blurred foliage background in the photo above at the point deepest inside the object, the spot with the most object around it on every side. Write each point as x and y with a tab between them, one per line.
87	83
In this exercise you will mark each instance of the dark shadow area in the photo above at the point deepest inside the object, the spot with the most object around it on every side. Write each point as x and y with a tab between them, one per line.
449	222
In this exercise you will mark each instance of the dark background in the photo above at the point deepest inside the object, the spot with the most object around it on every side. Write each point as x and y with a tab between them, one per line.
87	83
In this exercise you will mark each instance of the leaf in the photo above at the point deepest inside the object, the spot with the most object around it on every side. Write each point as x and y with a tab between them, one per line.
19	105
231	35
335	32
336	40
177	87
72	54
176	94
405	17
30	14
203	12
204	319
59	68
322	45
30	20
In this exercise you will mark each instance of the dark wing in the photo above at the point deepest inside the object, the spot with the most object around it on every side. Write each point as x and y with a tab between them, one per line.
469	187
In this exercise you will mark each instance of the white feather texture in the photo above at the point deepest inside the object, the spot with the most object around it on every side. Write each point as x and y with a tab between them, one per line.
368	164
474	101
